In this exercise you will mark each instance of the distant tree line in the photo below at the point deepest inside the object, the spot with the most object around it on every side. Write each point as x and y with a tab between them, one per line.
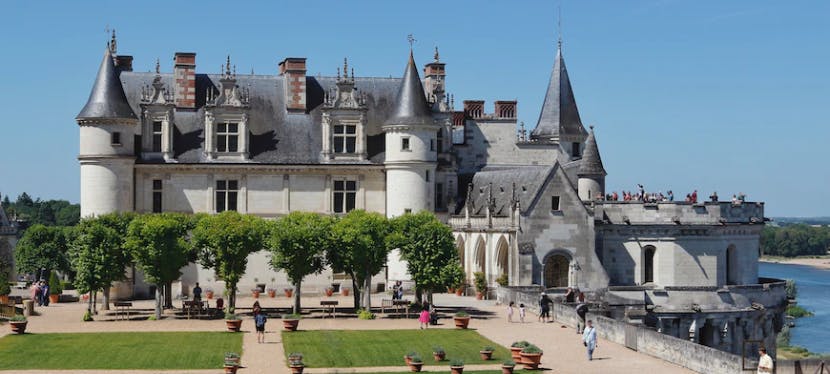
44	212
795	240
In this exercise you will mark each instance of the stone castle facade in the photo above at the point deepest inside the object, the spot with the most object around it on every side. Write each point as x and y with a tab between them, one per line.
525	206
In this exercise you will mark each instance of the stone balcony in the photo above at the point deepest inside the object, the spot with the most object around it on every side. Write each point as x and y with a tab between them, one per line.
481	222
770	293
678	213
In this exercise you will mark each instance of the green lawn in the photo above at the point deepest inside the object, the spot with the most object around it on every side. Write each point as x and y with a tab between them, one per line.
465	371
351	348
118	350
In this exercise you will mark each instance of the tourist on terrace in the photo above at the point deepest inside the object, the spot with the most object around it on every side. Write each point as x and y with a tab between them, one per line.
510	310
614	196
694	197
197	292
714	196
570	296
544	307
765	364
589	339
671	196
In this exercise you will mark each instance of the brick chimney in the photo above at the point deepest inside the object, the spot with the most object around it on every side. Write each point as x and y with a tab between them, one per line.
124	63
293	69
474	108
505	109
185	73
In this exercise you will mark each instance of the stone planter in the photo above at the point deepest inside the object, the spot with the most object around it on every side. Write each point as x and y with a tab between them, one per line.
290	324
507	369
18	327
233	324
54	299
415	366
531	360
456	369
461	322
516	353
486	355
296	369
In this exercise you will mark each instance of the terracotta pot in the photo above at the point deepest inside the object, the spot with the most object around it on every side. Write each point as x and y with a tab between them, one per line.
486	355
415	367
459	291
18	327
450	290
297	369
272	293
461	322
85	297
407	359
255	293
4	299
344	291
516	353
54	299
507	369
290	324
456	369
479	296
231	369
531	360
439	356
288	292
209	295
329	291
233	324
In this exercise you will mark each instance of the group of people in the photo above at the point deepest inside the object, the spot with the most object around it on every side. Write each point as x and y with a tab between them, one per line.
40	293
428	315
522	312
397	291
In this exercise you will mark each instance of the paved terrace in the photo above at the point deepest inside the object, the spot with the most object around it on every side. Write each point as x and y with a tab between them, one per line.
564	352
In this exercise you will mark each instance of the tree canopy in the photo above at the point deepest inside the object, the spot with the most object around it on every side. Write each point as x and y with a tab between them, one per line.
428	247
795	240
43	248
359	249
45	212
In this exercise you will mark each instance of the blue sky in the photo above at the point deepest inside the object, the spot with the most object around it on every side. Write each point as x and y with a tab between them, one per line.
726	96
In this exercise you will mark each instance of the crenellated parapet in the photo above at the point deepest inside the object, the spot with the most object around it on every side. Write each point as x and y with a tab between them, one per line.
678	213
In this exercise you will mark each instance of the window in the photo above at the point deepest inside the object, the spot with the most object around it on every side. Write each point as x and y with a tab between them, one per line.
405	144
432	144
345	137
157	136
439	197
554	203
407	211
440	140
157	197
648	264
575	150
116	138
226	193
345	192
427	176
227	137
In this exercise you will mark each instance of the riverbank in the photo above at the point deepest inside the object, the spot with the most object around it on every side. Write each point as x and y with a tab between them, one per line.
822	262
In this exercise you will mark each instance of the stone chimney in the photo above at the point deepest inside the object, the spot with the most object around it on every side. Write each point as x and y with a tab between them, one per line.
124	63
185	73
293	69
505	109
474	108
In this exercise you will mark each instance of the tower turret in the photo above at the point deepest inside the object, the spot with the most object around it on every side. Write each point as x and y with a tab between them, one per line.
411	157
107	129
591	173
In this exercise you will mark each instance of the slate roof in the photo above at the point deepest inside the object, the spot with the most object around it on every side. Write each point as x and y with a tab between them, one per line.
410	103
107	100
591	163
559	115
276	137
528	181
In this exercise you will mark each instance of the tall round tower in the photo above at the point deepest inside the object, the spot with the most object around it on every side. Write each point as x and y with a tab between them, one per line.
107	128
591	173
411	157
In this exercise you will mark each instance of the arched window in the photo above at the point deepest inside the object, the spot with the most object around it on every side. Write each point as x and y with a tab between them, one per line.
731	262
556	271
648	263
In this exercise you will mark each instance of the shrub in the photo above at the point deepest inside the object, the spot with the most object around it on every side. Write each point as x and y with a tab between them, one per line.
410	354
509	363
488	349
365	314
480	281
462	313
502	280
18	318
531	349
4	287
438	350
231	316
87	316
231	359
456	363
292	316
791	289
796	311
416	359
520	344
295	356
54	284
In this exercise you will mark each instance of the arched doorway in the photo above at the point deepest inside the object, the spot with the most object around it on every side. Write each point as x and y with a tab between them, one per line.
479	256
501	258
556	270
648	263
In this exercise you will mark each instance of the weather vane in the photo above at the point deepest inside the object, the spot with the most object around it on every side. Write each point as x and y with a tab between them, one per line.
411	40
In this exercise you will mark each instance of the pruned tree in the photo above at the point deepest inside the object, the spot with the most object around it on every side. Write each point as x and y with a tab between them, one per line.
224	241
298	244
359	249
427	246
159	249
42	249
98	254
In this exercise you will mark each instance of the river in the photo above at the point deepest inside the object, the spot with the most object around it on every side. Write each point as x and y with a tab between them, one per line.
814	295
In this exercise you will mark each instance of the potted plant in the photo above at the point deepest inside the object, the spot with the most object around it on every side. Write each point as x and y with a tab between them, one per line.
480	281
516	349
209	294
459	291
450	289
345	291
408	357
272	293
507	367
531	357
462	319
18	323
295	362
415	363
502	280
231	362
291	321
55	289
255	292
456	366
329	291
486	353
288	292
438	353
232	321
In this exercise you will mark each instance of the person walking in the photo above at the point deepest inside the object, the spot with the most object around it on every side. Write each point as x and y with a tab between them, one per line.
197	292
582	312
544	307
259	322
44	294
589	339
765	364
522	313
423	318
36	293
510	311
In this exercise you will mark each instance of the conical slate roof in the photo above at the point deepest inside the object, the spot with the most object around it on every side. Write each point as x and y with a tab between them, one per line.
107	99
559	116
591	163
411	103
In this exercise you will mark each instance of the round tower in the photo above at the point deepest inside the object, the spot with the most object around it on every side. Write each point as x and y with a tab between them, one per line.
591	173
107	129
411	157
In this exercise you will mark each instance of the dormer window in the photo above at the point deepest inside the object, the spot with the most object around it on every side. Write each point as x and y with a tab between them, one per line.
157	135
227	137
345	138
226	134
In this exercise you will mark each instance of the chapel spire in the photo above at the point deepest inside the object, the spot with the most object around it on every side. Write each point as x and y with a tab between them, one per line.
559	117
411	105
591	163
107	99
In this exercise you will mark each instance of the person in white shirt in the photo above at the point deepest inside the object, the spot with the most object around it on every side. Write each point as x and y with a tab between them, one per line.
765	364
589	339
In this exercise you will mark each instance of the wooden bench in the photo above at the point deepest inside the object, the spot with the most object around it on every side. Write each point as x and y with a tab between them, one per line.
330	307
122	308
198	307
395	304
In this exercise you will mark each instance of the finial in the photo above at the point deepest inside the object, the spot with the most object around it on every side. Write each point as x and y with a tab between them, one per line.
352	73
436	54
158	66
592	127
234	70
411	40
113	43
252	70
559	28
345	67
228	66
338	73
452	101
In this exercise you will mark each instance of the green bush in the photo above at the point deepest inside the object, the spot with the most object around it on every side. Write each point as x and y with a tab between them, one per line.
796	311
54	284
365	314
791	289
509	363
502	280
438	350
456	363
520	344
462	313
480	281
416	359
18	318
87	316
5	289
292	316
531	349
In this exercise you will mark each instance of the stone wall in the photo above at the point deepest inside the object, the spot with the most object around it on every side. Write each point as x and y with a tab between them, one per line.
811	365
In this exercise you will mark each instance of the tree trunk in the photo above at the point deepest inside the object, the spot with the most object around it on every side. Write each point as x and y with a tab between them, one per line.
95	302
366	303
91	307
231	295
159	300
105	302
418	295
168	295
355	294
297	292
